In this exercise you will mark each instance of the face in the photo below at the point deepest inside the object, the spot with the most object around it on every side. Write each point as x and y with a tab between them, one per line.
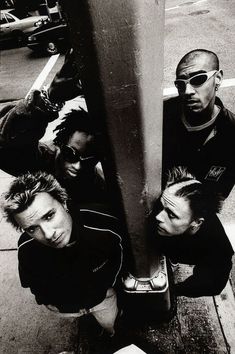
175	218
47	221
83	157
202	98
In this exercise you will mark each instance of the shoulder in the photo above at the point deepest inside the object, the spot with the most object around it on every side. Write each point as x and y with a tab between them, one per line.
24	240
98	222
6	107
171	111
27	249
99	216
211	224
230	116
99	209
48	147
213	231
171	103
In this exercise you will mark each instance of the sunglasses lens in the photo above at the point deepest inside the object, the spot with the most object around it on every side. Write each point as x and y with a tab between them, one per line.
198	80
180	85
69	154
195	81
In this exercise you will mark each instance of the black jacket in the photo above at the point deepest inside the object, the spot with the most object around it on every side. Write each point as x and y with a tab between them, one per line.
78	276
212	162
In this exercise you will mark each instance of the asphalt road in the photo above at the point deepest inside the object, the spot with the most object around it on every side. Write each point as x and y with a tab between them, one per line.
19	69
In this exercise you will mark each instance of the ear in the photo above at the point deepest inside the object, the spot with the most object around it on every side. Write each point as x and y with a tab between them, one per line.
218	79
90	138
196	224
65	207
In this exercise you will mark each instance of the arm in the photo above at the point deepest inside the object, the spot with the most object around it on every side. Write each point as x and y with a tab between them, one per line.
66	84
24	122
36	285
116	260
207	280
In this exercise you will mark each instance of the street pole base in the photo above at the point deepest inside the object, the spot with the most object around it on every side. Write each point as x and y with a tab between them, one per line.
149	300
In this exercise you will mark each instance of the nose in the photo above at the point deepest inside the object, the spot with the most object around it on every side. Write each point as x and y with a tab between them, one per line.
189	90
47	231
160	216
77	165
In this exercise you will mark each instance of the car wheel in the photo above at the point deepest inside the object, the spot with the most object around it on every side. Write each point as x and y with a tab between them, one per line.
52	48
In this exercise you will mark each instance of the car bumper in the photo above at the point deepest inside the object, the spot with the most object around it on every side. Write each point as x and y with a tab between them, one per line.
34	46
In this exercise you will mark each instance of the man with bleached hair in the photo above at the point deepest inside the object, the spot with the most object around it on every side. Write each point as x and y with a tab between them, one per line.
69	257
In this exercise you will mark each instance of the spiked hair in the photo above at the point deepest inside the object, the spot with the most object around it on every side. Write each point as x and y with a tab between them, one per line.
196	53
24	189
202	200
75	120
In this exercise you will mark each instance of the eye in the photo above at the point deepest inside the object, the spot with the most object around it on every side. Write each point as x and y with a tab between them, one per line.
31	229
49	215
198	80
171	215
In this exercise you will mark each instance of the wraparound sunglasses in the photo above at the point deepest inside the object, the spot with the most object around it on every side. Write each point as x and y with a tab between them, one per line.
70	154
195	81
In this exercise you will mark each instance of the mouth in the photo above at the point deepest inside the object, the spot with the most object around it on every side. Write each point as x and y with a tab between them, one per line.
160	229
58	240
72	173
191	103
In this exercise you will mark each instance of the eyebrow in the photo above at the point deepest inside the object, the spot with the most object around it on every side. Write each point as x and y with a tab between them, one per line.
52	210
43	217
191	74
167	208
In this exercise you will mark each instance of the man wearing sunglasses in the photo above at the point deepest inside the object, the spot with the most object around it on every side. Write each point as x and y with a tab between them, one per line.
72	157
199	132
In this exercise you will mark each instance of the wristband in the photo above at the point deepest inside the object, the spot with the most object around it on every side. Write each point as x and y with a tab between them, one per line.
48	104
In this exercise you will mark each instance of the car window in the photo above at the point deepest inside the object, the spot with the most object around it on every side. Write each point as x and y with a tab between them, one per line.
19	15
3	20
9	18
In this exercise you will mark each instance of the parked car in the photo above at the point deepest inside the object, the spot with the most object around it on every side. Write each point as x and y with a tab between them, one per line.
11	27
50	38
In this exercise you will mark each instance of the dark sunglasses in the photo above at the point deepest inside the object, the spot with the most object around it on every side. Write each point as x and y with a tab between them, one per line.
195	81
70	154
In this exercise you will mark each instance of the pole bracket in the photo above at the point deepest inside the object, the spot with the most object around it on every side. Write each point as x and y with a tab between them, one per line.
158	283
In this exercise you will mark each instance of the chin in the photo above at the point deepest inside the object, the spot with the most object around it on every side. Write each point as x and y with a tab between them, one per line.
196	110
161	232
69	175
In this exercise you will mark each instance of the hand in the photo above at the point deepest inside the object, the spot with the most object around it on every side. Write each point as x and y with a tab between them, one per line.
66	84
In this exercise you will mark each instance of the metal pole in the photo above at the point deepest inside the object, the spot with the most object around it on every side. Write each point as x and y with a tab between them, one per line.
119	52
